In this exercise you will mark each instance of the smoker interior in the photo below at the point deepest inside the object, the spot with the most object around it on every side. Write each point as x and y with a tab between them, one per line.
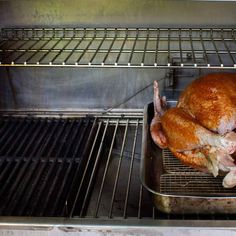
74	80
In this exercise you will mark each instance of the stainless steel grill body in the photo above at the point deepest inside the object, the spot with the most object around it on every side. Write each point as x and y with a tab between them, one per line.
64	63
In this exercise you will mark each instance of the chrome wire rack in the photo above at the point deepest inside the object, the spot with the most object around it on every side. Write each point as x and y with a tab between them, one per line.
172	165
181	179
119	47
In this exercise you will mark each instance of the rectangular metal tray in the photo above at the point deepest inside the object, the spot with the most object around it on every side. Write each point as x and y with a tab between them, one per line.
177	188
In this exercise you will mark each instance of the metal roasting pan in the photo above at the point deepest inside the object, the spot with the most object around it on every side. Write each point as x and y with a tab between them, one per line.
176	188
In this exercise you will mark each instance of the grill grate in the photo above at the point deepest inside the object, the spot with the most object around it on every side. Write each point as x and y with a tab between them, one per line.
183	180
39	159
76	167
119	47
117	192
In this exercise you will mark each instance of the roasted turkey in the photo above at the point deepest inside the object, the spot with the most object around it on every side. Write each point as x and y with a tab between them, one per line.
199	130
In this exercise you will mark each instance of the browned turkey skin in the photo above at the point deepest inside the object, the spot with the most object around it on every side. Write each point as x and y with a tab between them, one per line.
199	131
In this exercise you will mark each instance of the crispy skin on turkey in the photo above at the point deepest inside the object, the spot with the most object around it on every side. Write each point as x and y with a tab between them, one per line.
211	100
199	131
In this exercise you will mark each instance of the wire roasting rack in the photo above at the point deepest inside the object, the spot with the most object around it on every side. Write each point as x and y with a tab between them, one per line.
119	47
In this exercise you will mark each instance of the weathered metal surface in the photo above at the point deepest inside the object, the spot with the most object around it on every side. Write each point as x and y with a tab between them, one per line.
116	13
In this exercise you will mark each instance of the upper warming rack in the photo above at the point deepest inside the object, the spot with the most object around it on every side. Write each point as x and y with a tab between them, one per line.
119	47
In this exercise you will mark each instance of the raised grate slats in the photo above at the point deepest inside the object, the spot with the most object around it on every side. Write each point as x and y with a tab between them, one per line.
35	162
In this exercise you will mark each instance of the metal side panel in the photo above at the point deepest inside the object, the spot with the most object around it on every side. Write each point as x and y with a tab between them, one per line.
116	13
73	88
35	227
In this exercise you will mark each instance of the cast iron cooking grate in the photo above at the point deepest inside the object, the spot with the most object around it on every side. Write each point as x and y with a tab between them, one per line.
40	164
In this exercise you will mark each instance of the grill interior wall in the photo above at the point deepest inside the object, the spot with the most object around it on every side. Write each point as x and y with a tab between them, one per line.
67	88
72	88
123	13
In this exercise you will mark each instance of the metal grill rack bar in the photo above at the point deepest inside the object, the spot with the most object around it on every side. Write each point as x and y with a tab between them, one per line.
117	192
119	47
